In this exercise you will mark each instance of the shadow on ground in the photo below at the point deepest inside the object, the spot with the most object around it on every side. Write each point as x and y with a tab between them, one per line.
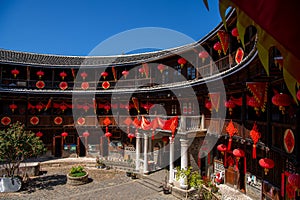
43	182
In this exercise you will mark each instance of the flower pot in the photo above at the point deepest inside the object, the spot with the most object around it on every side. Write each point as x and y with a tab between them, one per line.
128	174
77	180
10	184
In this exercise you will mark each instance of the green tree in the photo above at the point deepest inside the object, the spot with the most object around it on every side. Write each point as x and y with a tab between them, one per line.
17	145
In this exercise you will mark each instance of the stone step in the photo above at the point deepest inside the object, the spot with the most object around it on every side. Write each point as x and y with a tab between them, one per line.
151	184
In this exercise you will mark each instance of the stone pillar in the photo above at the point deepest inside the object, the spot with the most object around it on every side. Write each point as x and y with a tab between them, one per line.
171	170
184	161
146	170
202	121
137	151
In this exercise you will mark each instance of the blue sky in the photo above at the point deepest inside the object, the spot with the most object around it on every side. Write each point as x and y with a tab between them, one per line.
75	27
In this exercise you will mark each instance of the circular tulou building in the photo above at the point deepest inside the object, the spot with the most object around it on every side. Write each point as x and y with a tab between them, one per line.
210	105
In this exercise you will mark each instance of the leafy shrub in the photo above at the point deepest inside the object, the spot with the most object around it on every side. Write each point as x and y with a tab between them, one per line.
77	171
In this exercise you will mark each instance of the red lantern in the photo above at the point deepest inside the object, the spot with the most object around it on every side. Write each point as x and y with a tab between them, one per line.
141	70
235	33
267	164
130	136
39	106
15	72
104	74
230	105
275	99
107	107
13	107
208	105
85	85
203	55
283	101
222	148
253	103
181	61
63	85
63	107
165	139
63	75
105	85
238	153
39	134
86	134
64	135
125	73
83	75
161	67
40	84
40	73
218	47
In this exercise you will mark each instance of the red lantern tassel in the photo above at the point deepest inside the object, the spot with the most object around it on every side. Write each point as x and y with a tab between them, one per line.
73	73
254	151
282	184
237	164
229	144
48	104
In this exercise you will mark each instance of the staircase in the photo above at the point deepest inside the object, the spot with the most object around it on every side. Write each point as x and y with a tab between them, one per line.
154	180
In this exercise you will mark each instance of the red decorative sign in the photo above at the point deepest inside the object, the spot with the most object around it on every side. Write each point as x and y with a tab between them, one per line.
85	85
289	140
259	91
58	120
81	120
239	55
105	85
224	39
40	84
5	121
34	120
63	85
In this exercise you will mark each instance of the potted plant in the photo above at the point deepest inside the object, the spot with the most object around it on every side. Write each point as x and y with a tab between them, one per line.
165	186
77	176
17	145
214	188
192	178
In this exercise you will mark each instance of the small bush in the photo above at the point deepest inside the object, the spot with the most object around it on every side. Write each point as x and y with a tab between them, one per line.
77	171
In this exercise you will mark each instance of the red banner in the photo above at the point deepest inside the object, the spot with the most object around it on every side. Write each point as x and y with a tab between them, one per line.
259	91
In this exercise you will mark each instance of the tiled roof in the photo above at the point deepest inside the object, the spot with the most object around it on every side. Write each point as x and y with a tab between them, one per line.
17	57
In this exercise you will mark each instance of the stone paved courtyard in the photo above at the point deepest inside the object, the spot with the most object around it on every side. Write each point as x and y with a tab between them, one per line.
104	184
